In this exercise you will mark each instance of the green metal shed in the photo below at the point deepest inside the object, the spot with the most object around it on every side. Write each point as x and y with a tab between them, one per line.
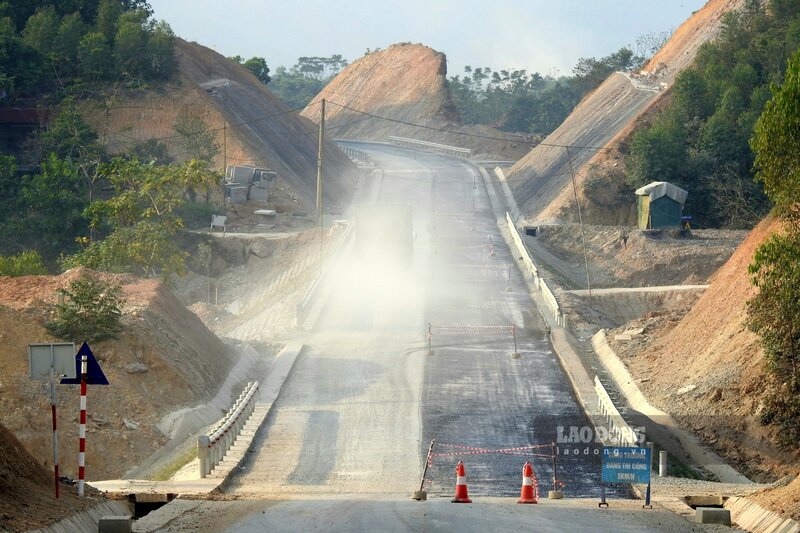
660	205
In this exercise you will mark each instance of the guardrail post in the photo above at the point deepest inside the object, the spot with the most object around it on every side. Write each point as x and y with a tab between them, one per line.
202	454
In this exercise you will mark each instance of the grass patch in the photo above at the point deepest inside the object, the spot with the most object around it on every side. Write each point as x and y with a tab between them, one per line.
179	462
675	468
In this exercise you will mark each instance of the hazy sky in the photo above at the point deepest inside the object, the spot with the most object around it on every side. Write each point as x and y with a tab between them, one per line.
537	35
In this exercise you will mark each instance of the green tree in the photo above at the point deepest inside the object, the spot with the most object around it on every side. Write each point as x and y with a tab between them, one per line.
776	143
774	313
258	66
67	43
161	52
658	153
108	13
55	199
94	57
92	311
70	137
41	31
23	264
141	218
130	44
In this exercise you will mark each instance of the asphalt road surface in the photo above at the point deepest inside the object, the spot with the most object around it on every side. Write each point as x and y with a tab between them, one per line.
364	400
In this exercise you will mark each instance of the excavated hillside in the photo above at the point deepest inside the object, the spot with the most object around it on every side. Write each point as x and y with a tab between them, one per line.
406	83
707	368
163	359
541	181
252	126
26	490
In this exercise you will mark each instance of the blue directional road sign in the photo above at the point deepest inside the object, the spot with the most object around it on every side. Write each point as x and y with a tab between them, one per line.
94	374
626	465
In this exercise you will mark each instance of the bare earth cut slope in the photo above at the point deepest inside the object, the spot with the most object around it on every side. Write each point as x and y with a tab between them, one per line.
253	127
164	358
26	490
541	181
707	369
406	83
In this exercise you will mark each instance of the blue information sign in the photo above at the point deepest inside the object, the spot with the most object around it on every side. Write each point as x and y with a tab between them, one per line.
626	465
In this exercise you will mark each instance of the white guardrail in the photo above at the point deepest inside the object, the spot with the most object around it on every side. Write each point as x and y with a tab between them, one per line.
355	153
455	151
619	432
539	283
211	448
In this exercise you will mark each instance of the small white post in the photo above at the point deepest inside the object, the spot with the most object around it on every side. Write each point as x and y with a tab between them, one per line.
203	454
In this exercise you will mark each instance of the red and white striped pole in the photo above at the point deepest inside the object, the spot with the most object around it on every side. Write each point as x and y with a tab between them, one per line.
82	429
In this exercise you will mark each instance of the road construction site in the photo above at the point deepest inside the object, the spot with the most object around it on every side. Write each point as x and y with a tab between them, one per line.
450	350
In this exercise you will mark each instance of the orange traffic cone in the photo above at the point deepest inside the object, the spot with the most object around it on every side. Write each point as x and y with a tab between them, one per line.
461	485
530	488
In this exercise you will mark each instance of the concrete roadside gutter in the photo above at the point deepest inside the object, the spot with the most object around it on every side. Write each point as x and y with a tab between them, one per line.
86	521
750	516
634	397
270	390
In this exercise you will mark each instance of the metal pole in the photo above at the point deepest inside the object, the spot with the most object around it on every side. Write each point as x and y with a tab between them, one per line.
224	167
320	169
82	429
430	336
427	463
555	488
580	220
647	494
662	463
55	430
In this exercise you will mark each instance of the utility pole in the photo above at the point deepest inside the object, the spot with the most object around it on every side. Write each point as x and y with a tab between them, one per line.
580	219
224	162
320	168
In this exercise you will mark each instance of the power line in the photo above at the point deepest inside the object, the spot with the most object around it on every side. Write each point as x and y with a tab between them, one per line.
466	134
240	124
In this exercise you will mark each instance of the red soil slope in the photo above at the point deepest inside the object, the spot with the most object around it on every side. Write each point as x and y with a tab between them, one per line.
164	358
252	126
712	349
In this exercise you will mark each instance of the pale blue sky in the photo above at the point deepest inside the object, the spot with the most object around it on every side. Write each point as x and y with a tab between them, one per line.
537	35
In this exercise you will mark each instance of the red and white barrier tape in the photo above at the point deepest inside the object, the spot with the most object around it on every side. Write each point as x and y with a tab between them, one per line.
461	330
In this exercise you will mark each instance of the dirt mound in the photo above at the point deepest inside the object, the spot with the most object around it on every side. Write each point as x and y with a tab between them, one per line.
163	359
783	500
625	257
252	126
408	84
26	490
541	181
707	368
